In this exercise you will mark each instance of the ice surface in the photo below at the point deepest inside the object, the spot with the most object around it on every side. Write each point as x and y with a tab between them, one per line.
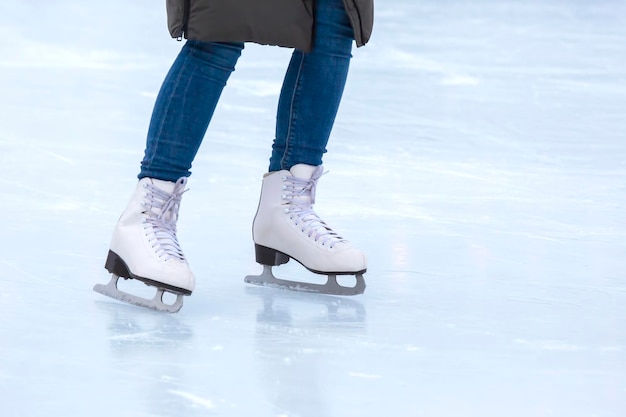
478	158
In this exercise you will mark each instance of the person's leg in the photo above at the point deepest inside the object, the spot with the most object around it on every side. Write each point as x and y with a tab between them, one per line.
312	90
184	107
144	245
285	225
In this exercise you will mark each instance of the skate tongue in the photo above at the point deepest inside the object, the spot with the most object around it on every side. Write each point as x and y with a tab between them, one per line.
167	186
306	171
165	198
302	196
161	203
306	176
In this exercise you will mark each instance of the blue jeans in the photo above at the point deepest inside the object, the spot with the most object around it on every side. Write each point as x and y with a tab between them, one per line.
307	106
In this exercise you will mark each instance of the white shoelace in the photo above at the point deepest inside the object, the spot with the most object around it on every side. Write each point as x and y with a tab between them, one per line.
163	219
300	195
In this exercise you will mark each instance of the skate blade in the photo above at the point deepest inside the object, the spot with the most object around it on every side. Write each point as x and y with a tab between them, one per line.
331	287
156	303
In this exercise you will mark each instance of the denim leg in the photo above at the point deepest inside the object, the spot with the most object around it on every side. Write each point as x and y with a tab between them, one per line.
184	107
312	90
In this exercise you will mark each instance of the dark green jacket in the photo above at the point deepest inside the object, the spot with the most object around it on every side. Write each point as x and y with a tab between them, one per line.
273	22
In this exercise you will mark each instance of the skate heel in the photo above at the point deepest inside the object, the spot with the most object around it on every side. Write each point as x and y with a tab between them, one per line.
115	265
268	256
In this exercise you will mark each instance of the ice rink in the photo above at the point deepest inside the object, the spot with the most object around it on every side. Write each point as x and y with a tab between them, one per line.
479	159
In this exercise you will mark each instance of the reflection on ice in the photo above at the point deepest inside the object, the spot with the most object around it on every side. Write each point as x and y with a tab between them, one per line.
135	328
293	350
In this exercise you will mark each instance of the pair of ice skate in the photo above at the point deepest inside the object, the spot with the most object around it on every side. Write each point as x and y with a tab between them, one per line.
145	247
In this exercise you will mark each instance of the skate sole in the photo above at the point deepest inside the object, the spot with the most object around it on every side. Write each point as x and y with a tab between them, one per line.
116	266
270	257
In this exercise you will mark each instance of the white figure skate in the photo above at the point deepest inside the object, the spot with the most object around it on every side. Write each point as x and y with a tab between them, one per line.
144	247
286	227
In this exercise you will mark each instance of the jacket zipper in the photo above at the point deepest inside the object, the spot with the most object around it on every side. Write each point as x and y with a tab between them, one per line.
185	25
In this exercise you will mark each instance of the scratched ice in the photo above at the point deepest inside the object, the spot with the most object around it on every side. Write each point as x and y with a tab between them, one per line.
478	159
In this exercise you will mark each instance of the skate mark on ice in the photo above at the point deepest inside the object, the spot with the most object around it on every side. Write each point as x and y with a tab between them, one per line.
198	401
364	375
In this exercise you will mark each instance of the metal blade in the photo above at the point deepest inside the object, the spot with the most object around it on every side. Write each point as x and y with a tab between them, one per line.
156	303
331	287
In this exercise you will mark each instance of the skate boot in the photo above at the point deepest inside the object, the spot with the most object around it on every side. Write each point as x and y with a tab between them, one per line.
144	246
286	227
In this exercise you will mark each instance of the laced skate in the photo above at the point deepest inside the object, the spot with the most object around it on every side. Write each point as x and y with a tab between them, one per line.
287	227
145	247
